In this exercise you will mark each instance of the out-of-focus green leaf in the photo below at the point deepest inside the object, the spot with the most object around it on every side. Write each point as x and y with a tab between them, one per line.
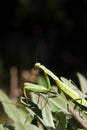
83	82
42	81
9	127
1	127
61	120
16	114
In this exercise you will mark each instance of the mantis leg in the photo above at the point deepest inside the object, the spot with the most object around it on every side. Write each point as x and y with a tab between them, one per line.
47	81
80	104
49	85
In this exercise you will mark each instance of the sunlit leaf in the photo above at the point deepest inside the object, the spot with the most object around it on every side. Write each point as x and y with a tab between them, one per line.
83	82
47	116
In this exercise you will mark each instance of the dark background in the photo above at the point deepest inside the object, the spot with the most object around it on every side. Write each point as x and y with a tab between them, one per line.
51	32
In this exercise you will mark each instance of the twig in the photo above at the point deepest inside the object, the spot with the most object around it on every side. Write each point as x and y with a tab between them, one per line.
77	117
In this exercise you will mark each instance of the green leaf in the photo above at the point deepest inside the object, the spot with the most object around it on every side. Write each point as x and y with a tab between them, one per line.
16	114
60	103
33	109
25	126
30	127
42	81
47	116
9	127
1	127
35	97
83	82
61	120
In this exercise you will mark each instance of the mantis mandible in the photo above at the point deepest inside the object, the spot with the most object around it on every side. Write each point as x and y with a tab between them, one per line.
65	88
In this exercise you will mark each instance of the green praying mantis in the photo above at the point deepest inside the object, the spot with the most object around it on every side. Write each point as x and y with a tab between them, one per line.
65	88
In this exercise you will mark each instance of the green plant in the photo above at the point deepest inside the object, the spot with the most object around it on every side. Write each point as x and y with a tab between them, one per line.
47	111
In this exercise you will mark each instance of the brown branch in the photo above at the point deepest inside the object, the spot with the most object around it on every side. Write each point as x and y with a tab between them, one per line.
78	118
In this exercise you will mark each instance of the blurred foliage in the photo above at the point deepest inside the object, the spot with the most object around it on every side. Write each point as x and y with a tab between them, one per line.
50	113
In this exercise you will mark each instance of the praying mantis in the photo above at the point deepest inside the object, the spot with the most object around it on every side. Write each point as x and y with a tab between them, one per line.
63	87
